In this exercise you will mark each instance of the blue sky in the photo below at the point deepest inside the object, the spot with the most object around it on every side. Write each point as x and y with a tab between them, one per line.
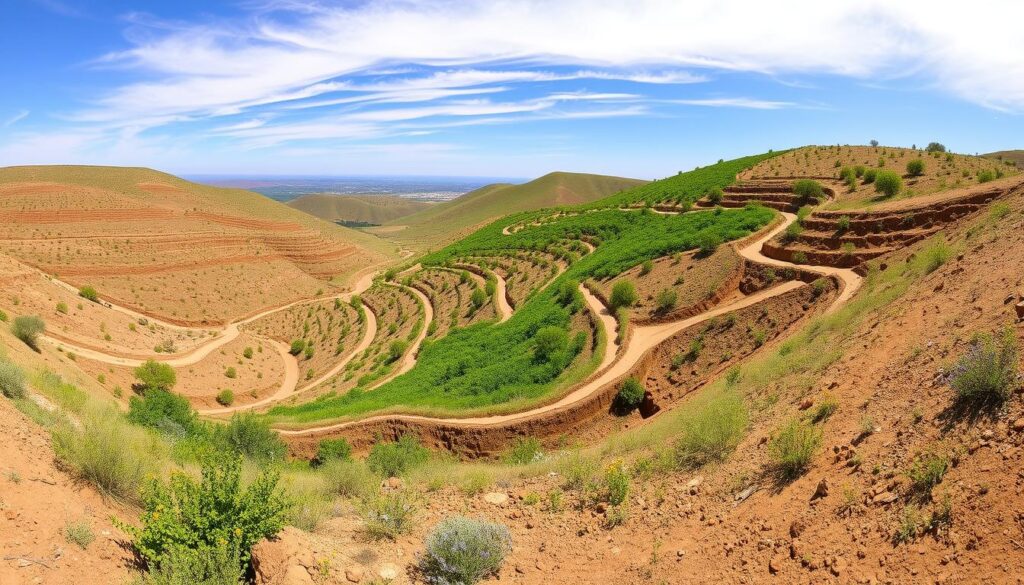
638	88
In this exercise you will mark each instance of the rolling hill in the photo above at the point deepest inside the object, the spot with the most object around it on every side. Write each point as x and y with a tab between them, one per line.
447	222
178	250
371	209
1015	156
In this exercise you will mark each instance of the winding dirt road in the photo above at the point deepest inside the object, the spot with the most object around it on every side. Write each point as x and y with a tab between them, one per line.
642	339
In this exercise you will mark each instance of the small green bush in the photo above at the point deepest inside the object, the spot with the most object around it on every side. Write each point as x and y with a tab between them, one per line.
332	450
843	224
927	472
298	346
623	295
62	307
935	255
89	293
707	242
28	328
549	342
79	533
214	511
163	410
396	459
225	397
247	353
915	168
888	183
153	375
666	299
523	451
793	447
478	298
646	267
464	551
807	189
987	373
715	196
348	478
869	176
389	515
985	176
12	380
249	435
711	430
397	349
630	396
217	565
231	372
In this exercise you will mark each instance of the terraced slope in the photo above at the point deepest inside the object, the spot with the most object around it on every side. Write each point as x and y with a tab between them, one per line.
447	222
186	253
370	209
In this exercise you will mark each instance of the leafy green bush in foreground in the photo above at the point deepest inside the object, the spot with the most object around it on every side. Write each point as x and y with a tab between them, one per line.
394	459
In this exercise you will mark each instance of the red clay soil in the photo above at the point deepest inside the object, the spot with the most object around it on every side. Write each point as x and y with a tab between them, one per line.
38	501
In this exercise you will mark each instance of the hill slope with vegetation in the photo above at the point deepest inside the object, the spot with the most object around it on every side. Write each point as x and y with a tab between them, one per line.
447	222
366	209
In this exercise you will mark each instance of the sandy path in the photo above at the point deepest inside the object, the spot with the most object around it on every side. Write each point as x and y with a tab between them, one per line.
500	297
643	339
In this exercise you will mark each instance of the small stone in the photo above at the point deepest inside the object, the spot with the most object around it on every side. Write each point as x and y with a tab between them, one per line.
884	498
354	574
806	403
1018	425
496	498
775	565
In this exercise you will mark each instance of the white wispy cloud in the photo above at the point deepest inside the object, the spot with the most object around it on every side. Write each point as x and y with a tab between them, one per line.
734	102
18	117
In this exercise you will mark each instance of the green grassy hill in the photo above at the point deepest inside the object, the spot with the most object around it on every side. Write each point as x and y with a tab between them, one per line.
447	222
375	209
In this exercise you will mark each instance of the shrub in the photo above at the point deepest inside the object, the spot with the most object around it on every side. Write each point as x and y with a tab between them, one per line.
711	431
89	293
935	255
62	307
987	373
390	514
397	349
79	533
348	478
464	551
888	183
927	472
247	434
715	196
225	397
623	295
666	300
523	451
616	481
153	375
807	189
550	341
298	346
630	396
395	459
935	147
869	176
217	565
859	170
707	242
478	298
107	452
163	410
247	353
793	447
231	372
12	380
28	328
843	224
332	450
825	409
915	168
215	511
986	176
646	267
792	232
